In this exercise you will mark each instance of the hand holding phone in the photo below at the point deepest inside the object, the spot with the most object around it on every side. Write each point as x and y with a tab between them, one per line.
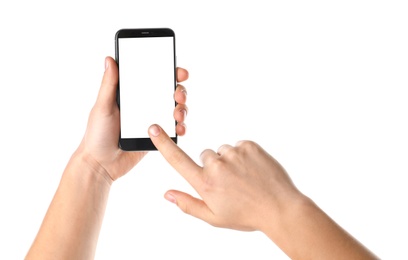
147	79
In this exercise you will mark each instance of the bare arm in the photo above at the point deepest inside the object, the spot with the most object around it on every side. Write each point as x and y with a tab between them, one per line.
306	232
244	188
71	226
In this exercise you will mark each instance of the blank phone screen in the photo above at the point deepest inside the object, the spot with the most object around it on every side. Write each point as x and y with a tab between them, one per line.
146	85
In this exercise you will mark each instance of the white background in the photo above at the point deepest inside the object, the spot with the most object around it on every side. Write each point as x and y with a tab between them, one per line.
321	85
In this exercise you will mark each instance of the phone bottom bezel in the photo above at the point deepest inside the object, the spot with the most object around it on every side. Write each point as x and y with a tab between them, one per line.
139	144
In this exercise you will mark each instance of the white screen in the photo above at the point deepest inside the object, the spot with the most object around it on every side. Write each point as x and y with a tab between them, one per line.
146	75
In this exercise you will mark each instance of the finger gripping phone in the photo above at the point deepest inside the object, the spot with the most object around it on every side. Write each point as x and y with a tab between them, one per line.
146	61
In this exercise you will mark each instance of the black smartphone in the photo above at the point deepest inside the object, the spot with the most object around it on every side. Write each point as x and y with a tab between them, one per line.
146	60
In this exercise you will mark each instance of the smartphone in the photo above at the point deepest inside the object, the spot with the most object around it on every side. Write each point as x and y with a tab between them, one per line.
146	60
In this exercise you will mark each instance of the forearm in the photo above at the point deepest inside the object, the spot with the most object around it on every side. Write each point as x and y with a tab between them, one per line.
72	223
306	232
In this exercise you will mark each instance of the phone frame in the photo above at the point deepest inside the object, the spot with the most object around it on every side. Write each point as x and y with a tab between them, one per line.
142	144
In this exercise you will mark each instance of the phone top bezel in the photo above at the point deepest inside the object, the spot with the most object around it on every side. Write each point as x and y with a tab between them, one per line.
142	144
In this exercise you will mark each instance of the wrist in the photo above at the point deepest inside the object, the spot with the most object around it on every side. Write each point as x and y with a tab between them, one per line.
281	220
71	226
86	166
304	231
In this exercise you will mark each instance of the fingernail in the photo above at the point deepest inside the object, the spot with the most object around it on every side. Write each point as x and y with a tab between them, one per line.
184	112
184	91
106	64
170	198
154	130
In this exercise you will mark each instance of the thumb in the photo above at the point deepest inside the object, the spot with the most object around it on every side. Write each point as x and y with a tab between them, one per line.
190	205
177	158
107	92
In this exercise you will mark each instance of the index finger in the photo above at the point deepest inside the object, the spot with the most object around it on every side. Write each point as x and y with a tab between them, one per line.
176	157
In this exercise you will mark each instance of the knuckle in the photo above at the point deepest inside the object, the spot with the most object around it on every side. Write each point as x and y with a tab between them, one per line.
245	143
203	154
232	154
214	170
103	110
248	146
218	165
183	207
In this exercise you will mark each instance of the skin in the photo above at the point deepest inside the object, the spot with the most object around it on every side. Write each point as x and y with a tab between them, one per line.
245	188
241	187
71	226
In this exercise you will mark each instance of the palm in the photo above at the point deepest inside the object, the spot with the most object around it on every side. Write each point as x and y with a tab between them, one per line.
102	134
101	140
